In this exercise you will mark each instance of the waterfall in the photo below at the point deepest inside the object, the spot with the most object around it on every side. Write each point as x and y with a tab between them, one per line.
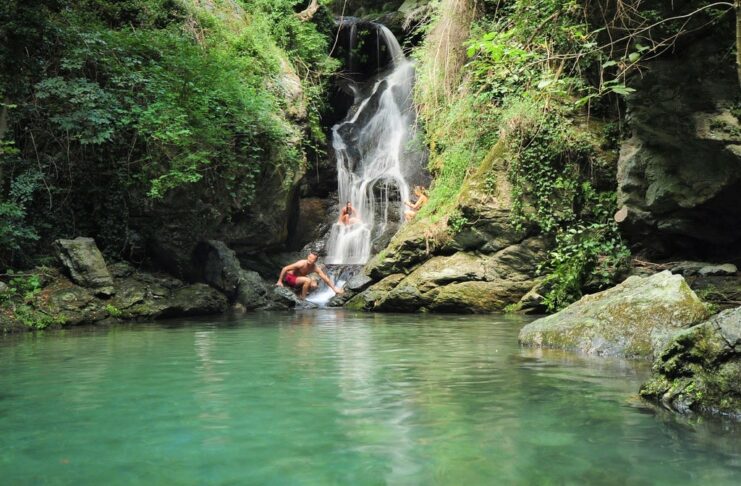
369	147
375	163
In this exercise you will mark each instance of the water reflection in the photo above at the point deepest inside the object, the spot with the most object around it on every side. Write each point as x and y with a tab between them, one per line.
338	397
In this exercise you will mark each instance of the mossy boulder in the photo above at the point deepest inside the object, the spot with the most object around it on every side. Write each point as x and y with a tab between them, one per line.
699	370
84	263
465	282
632	319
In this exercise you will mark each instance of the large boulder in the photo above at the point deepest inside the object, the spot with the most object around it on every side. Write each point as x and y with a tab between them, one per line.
464	282
85	264
144	295
252	292
219	267
632	319
699	370
679	172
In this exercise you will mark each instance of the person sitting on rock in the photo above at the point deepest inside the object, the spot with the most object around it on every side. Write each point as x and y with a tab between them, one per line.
296	276
419	191
346	215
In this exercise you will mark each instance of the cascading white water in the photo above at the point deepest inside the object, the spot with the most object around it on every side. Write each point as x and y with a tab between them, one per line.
369	145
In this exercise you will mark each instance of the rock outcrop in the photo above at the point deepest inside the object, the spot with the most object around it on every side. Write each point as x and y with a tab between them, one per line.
632	319
85	264
699	370
219	267
679	173
478	262
138	296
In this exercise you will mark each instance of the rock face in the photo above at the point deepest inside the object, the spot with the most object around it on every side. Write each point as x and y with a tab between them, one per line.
138	295
632	319
679	174
85	264
219	267
700	369
482	264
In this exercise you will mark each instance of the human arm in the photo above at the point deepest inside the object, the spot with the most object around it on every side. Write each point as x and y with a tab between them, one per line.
420	201
283	272
328	281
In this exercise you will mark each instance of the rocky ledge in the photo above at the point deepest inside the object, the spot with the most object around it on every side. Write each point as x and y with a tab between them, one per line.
699	370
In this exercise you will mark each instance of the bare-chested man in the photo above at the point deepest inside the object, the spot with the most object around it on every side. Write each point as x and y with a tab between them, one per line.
296	275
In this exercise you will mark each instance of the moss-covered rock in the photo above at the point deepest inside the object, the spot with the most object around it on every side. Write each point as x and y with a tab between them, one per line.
85	264
466	282
138	295
632	319
370	298
699	370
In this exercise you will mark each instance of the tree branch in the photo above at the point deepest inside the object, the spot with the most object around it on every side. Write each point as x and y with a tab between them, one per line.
309	11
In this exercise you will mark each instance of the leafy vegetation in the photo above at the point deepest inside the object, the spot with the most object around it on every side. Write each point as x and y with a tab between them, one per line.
17	301
530	82
110	106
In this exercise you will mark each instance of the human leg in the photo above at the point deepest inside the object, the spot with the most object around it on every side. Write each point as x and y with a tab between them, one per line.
305	284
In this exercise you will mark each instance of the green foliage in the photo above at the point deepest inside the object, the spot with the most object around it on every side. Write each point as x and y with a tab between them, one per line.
19	298
113	311
528	79
548	157
122	101
456	222
586	254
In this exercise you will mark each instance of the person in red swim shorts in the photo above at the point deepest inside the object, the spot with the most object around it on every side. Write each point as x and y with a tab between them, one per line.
296	276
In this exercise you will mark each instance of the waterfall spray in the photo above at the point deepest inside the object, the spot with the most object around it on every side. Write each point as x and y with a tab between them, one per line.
374	165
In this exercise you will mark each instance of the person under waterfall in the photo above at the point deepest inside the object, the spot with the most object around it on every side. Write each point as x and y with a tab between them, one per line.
296	276
419	191
348	215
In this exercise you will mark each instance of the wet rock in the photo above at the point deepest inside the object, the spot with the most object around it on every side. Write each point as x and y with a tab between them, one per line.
315	218
85	264
358	283
219	266
371	297
476	297
121	269
704	269
699	370
355	285
252	292
631	319
725	270
193	300
688	268
75	305
284	298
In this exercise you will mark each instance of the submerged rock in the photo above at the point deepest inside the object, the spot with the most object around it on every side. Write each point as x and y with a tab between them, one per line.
632	319
85	264
699	370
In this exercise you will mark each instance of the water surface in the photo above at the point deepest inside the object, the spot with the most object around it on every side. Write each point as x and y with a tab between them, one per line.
332	397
